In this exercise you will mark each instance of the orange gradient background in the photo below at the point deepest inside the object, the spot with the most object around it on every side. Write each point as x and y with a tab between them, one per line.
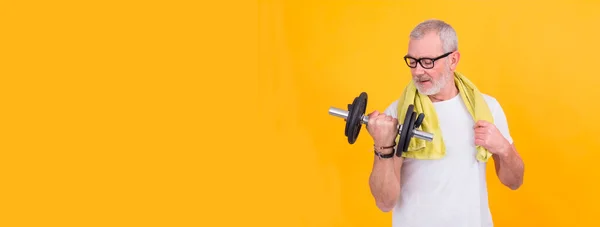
214	113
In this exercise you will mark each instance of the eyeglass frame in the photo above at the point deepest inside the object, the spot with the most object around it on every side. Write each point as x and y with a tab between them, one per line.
406	57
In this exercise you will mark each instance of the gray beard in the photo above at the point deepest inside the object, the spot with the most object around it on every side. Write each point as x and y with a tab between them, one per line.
438	85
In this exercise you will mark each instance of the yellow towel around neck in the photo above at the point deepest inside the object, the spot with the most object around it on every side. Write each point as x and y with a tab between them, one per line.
421	149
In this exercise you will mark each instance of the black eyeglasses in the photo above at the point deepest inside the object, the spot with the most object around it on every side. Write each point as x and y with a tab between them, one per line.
426	63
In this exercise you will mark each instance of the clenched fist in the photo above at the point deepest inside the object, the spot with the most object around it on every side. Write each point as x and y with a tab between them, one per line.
382	128
489	137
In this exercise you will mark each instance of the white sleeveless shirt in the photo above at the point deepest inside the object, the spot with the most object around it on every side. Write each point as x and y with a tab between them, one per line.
451	191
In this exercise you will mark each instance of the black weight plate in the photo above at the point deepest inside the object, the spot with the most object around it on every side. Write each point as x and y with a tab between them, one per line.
404	131
419	120
410	132
362	107
350	120
350	112
354	122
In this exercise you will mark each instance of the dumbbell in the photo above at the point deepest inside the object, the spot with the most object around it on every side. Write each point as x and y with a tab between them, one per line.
355	117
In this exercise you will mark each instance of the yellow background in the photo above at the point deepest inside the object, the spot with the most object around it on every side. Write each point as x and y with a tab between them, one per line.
110	117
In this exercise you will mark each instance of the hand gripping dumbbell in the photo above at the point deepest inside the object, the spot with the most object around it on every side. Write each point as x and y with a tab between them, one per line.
355	117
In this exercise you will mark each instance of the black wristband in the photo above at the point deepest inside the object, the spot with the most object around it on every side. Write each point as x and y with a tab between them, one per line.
384	156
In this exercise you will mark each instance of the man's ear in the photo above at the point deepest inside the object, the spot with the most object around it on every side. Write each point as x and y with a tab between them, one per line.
454	58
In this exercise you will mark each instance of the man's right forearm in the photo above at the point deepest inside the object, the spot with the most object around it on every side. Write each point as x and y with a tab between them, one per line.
385	182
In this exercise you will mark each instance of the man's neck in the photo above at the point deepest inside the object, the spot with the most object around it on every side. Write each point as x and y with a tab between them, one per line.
447	93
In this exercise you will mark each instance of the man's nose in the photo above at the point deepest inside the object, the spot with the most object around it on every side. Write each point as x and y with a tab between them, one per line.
419	69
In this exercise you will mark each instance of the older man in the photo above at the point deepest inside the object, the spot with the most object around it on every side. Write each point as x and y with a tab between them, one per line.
442	182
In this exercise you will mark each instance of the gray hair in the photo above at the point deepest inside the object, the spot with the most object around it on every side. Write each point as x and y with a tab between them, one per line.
445	31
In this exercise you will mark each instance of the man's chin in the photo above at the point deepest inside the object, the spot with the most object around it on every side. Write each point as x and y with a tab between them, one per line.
424	91
423	86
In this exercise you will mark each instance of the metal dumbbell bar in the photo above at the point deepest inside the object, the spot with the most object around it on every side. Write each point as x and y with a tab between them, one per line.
365	120
355	117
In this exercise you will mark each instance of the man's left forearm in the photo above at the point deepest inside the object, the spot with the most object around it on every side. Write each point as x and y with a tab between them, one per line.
510	167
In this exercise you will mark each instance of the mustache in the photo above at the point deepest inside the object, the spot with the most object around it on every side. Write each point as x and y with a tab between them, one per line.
420	78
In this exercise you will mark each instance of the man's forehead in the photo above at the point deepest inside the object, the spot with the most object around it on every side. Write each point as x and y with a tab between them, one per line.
419	48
